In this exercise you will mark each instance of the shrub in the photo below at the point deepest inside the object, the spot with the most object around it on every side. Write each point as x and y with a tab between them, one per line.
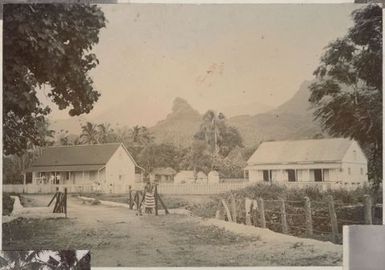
7	204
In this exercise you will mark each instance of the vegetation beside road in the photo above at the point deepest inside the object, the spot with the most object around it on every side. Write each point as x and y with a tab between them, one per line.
7	204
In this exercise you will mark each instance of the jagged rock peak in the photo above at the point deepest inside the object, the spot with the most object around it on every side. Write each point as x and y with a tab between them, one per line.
180	106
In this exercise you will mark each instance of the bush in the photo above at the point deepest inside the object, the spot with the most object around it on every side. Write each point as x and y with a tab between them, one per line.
7	204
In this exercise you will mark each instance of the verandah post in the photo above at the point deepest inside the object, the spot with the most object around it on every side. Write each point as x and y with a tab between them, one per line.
308	217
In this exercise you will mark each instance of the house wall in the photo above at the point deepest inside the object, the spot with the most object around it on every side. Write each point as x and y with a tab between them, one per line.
304	172
355	165
120	171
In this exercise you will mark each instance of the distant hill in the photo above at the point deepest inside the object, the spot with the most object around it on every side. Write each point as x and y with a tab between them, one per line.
251	108
291	120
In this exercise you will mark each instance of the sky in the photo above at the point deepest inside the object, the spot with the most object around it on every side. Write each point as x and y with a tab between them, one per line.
211	55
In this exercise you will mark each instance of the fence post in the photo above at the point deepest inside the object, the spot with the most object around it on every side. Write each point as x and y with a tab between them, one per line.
368	209
233	208
309	220
285	229
227	211
156	199
261	206
130	197
248	209
219	213
65	201
333	219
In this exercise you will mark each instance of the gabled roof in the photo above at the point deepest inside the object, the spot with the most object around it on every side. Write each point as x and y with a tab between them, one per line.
300	151
75	157
164	171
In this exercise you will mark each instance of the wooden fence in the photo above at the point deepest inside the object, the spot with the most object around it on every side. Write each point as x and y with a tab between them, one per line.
315	219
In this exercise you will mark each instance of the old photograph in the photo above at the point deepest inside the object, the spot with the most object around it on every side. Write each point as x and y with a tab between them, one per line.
159	135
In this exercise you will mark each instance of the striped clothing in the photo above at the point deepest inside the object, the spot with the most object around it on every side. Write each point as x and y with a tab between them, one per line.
149	200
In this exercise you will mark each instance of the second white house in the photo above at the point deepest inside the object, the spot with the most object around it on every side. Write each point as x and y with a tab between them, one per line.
326	163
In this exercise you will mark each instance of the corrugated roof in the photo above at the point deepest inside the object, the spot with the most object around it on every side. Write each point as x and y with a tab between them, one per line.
300	151
73	168
95	154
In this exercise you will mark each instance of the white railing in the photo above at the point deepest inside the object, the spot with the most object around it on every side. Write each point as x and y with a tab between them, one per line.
187	189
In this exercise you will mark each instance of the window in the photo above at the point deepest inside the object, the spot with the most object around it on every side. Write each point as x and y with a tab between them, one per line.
318	175
67	175
354	155
266	176
349	171
291	177
362	171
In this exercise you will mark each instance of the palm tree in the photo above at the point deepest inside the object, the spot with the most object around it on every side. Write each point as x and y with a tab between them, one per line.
106	133
139	135
211	130
90	134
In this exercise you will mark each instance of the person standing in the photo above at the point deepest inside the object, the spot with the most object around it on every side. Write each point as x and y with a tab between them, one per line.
149	198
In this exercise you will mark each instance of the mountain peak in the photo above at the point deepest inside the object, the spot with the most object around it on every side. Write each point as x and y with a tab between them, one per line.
182	107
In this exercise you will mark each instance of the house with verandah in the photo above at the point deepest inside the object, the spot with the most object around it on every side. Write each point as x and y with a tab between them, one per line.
98	167
326	163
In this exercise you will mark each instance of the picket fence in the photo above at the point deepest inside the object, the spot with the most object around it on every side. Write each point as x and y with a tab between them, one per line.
183	189
170	188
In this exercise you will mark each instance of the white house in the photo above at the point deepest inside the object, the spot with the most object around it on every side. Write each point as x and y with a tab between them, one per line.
98	167
328	163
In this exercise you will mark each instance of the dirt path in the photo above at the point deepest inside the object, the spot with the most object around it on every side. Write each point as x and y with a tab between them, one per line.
117	237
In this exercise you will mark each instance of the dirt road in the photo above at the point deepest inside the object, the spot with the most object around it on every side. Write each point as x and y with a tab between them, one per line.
117	237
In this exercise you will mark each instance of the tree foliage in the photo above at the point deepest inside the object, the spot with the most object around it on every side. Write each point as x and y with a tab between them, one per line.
39	260
347	93
46	45
219	137
159	155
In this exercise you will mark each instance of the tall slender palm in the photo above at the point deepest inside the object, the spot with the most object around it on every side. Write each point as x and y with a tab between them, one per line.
105	133
211	129
90	134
